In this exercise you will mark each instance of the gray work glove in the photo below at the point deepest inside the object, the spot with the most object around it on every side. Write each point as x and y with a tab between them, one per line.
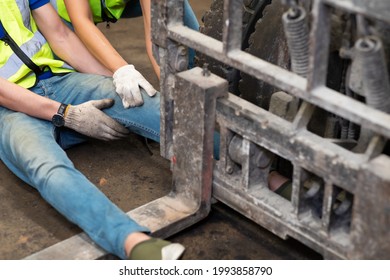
127	82
88	119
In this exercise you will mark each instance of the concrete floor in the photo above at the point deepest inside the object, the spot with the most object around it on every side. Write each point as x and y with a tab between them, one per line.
127	173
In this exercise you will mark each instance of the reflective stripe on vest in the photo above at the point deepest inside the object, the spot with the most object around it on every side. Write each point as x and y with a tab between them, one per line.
16	18
114	9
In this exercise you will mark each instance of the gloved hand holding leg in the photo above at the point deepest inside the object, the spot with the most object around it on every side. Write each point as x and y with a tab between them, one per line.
127	81
88	119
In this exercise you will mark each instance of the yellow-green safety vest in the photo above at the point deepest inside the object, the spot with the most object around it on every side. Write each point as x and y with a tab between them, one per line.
101	9
15	16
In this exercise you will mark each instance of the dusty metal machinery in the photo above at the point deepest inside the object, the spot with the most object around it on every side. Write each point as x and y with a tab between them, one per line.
301	87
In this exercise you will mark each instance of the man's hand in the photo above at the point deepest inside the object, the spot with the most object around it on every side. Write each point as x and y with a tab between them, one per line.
88	119
127	83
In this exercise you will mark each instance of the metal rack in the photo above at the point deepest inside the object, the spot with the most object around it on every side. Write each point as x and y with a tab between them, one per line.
249	134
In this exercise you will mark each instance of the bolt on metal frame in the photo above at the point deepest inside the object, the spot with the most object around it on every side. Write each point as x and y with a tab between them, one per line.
364	176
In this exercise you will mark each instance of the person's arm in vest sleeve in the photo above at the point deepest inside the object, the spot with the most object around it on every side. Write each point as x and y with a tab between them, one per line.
65	43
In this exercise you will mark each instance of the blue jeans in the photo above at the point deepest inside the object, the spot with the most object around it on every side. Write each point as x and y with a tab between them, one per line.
34	151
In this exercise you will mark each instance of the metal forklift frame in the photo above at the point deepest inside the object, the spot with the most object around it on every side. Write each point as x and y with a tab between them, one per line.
244	186
195	103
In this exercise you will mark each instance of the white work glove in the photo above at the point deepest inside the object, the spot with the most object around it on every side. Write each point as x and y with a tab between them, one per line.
88	119
127	82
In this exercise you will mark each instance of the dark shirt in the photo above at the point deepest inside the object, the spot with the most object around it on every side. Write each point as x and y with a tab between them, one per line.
35	4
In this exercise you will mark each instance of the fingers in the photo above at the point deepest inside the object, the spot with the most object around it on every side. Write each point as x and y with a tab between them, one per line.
135	93
127	99
127	82
116	127
125	103
150	90
88	119
130	94
110	129
103	103
132	98
109	136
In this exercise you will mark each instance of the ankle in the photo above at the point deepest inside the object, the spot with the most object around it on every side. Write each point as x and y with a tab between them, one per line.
276	180
134	239
156	249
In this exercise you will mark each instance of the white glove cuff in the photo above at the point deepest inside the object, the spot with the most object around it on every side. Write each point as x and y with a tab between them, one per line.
124	69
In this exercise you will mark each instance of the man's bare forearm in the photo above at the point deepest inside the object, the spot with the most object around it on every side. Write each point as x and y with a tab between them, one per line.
19	99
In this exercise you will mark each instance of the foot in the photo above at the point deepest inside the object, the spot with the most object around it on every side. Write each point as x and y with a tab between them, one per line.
280	184
156	249
285	190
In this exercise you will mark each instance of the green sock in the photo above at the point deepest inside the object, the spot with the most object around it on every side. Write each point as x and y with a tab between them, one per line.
156	249
285	190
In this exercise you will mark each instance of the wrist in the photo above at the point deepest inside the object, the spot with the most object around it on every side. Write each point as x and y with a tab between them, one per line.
123	70
58	118
66	110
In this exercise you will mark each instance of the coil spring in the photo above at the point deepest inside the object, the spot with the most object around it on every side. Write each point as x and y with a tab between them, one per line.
369	52
296	29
